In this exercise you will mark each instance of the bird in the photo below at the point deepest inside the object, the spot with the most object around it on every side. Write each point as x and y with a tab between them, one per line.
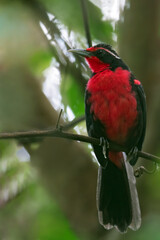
115	111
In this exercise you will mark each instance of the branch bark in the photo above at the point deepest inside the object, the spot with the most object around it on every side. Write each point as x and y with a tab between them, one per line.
59	133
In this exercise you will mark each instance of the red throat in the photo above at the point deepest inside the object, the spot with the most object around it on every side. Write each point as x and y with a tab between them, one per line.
96	65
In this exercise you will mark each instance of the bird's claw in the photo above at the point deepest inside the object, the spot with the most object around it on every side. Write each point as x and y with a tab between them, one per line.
105	146
133	156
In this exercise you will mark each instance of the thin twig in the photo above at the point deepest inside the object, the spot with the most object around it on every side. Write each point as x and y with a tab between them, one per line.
86	22
59	117
149	156
56	132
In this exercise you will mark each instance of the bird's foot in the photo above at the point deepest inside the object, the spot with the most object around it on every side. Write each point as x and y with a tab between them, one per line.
105	146
133	156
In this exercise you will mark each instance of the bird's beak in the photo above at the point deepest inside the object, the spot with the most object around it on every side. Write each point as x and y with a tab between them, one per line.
81	52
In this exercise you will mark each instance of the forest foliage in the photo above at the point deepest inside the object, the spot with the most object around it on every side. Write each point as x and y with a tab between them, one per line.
47	193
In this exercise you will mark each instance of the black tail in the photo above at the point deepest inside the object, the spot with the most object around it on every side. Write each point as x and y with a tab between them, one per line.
117	198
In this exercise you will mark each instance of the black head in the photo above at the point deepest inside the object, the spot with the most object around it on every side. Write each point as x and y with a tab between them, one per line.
104	52
100	57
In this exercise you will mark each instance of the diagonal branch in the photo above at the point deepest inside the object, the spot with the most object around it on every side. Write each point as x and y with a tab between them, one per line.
59	133
86	22
73	123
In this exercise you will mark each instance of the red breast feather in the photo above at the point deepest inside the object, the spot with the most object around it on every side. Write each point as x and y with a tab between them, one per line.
113	102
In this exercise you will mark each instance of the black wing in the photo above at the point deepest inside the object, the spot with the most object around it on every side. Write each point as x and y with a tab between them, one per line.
95	129
141	107
142	98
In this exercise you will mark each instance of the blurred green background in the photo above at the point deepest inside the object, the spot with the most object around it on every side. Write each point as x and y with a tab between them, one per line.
48	189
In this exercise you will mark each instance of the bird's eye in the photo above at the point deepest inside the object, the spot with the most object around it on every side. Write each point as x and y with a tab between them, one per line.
100	52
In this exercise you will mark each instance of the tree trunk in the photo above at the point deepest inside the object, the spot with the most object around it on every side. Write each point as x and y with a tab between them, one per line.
139	46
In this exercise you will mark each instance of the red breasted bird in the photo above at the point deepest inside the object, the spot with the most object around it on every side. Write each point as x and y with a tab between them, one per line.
115	109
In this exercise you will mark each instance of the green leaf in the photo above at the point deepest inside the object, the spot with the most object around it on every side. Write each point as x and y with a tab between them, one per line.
40	60
72	95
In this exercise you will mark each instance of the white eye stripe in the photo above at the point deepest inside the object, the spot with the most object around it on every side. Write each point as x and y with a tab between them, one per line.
110	53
